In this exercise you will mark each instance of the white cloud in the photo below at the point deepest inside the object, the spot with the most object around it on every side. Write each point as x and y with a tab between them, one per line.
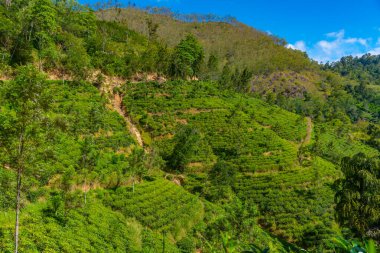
337	44
337	35
356	40
299	45
375	51
327	47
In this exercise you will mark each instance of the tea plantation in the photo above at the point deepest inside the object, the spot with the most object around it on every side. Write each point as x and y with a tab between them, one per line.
148	131
160	205
295	201
243	130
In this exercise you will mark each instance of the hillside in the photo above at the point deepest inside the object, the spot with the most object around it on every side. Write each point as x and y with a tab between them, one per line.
281	76
124	130
247	47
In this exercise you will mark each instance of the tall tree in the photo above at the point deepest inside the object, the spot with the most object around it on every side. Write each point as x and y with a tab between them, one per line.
357	199
21	121
187	58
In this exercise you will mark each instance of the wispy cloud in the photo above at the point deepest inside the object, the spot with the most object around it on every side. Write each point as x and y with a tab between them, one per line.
299	45
336	45
374	51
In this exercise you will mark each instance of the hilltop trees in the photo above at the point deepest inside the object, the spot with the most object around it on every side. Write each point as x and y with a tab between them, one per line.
363	69
357	199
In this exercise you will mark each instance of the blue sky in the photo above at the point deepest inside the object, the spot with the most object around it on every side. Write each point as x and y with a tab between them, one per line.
325	29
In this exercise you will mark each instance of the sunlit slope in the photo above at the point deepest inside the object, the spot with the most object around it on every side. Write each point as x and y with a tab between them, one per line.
295	204
230	41
244	130
160	205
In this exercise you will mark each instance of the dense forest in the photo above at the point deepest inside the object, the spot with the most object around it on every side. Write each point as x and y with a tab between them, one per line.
131	130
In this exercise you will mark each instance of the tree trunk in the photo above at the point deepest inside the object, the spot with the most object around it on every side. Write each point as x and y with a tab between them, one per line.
19	174
163	242
18	200
85	191
8	3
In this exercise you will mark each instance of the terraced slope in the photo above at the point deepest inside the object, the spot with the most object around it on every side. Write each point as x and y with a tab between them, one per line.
334	143
92	228
243	130
160	205
295	201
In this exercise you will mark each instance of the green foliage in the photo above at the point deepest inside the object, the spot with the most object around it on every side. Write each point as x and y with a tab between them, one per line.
364	68
22	122
94	228
43	20
186	245
7	186
160	205
333	142
75	60
237	128
187	58
342	245
186	140
233	42
289	200
237	151
239	80
357	199
78	138
223	177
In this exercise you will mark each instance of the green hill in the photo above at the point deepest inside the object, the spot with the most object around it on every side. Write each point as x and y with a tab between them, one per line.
123	130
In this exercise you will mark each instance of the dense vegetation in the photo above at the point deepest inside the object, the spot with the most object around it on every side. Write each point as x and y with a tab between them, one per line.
123	130
231	126
364	68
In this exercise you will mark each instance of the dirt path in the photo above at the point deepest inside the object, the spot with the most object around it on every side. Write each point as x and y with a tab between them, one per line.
309	130
119	108
116	101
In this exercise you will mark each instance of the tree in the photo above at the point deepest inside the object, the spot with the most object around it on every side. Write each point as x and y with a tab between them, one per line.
42	21
223	174
357	199
241	79
223	179
185	141
187	58
87	163
152	29
21	124
213	63
137	164
225	79
76	61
